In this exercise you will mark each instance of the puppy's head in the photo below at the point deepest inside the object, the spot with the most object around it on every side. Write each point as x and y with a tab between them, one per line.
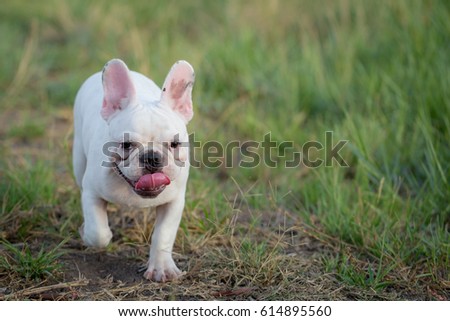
148	138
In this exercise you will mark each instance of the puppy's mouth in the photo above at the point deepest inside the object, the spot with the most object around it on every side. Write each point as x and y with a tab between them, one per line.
148	185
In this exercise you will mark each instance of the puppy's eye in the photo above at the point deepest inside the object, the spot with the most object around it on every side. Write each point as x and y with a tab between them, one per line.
175	144
127	145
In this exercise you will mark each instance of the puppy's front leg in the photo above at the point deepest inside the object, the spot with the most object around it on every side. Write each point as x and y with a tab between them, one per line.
95	231
161	267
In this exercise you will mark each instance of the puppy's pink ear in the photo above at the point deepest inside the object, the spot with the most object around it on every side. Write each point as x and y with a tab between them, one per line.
118	88
177	90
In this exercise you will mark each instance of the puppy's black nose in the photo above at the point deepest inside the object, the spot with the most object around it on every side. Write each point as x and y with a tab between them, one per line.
152	161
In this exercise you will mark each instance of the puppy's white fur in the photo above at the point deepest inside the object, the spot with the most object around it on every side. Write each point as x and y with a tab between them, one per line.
117	104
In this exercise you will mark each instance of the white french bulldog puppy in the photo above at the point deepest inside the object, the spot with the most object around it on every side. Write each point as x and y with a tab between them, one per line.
131	148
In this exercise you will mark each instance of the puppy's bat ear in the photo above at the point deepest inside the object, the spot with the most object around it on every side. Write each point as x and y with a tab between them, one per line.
118	88
177	90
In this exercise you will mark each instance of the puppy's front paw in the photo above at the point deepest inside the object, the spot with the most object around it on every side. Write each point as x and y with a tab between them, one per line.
162	271
95	238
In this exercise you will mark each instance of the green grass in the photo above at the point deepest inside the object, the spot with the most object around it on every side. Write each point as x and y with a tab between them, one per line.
27	131
29	266
374	73
26	185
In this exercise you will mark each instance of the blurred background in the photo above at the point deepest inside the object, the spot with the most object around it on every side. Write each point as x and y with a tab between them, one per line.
375	73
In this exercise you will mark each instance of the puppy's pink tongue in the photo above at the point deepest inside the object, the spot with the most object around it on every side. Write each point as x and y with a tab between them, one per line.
152	181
